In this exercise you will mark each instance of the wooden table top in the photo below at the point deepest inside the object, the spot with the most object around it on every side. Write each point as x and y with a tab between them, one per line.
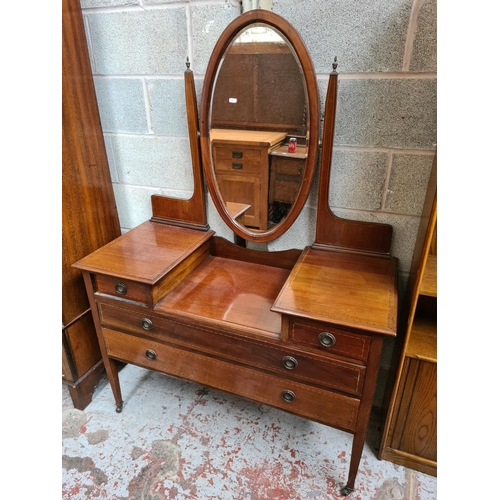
236	209
145	253
229	291
244	137
353	290
300	153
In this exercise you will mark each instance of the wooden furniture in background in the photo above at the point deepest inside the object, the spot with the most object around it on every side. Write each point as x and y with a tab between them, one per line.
242	99
237	210
410	432
300	330
89	215
287	174
241	163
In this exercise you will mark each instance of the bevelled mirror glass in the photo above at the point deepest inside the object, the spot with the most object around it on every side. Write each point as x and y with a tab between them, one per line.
259	126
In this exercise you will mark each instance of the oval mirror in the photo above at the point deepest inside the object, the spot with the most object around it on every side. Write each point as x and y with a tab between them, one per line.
259	125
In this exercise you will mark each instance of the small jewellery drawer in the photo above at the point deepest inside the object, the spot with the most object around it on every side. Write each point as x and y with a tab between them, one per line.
290	362
118	287
324	406
330	339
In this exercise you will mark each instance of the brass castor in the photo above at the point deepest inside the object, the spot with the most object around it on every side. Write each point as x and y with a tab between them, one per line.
346	491
119	407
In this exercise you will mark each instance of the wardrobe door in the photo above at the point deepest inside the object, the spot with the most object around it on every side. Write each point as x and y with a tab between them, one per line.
89	215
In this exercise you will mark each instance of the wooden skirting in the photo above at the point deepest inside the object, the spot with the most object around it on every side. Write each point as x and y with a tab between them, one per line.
411	461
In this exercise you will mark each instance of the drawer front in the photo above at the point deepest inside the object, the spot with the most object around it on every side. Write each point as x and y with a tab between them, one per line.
236	153
290	362
235	166
330	339
288	166
324	406
118	287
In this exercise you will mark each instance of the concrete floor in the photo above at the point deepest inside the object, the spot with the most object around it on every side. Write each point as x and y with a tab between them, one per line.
178	440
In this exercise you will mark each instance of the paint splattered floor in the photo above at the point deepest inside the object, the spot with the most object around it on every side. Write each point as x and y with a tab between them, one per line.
178	440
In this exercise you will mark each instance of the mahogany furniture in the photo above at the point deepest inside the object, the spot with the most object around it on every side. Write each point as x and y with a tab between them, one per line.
241	163
300	330
409	437
89	216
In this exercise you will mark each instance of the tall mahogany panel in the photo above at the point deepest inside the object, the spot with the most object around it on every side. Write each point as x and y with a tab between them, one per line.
89	215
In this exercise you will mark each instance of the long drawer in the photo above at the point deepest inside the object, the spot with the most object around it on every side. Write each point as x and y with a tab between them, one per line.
323	406
287	361
236	166
235	153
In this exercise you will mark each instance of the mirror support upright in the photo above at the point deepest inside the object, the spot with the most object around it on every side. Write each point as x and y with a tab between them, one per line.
189	213
333	231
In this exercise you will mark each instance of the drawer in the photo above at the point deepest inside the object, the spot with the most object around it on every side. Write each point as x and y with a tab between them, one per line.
330	339
321	405
288	166
288	361
236	153
235	166
121	288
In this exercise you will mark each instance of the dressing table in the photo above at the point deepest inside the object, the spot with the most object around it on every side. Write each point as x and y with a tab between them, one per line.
300	330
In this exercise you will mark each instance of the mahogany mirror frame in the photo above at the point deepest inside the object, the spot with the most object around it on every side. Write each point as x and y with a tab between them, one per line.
293	38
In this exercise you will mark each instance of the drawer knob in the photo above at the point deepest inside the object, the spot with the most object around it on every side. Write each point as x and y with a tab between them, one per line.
150	354
147	324
237	166
288	396
121	288
326	339
237	154
289	363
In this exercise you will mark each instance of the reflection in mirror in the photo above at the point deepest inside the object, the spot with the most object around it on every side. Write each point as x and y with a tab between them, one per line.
259	128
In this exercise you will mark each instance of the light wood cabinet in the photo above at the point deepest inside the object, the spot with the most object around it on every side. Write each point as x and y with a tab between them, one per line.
410	432
241	163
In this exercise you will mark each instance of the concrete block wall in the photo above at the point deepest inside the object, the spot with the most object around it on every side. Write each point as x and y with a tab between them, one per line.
386	130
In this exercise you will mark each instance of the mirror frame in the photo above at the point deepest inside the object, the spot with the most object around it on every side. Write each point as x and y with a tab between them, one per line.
311	87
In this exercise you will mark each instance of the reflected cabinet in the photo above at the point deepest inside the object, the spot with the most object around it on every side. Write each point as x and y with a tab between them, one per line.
300	330
241	164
